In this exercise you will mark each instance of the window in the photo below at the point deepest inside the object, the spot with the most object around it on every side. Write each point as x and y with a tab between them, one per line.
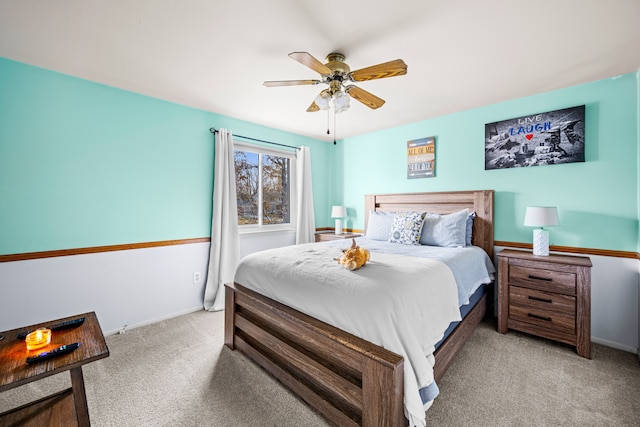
263	186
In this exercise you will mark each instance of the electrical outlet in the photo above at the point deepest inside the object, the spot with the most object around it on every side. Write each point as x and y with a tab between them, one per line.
197	277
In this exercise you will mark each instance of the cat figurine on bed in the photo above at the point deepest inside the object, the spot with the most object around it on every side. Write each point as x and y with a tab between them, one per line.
354	257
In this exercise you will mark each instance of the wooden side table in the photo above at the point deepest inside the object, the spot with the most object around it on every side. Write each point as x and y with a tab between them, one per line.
68	407
323	236
546	296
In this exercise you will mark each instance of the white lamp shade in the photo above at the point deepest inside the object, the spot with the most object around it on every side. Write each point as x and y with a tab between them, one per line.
338	212
541	216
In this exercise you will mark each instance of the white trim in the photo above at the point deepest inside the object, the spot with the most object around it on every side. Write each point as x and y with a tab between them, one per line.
245	231
613	344
154	320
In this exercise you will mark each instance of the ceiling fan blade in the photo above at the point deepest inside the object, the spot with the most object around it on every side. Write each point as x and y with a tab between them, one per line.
274	83
367	98
308	60
380	71
313	107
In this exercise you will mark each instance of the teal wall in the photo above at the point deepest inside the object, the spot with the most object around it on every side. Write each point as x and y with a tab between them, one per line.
597	200
83	164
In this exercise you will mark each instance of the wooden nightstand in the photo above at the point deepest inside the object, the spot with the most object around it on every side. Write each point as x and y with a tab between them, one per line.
547	296
323	236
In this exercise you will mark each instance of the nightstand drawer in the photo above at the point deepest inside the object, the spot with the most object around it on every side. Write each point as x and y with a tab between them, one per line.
545	301
547	319
545	280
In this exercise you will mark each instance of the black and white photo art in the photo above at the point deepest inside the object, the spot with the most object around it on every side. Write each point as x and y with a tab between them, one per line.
550	138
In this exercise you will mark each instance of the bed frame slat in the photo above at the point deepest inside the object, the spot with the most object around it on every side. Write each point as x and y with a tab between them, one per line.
333	387
305	393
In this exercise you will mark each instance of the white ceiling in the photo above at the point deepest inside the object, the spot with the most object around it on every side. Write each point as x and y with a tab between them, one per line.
214	54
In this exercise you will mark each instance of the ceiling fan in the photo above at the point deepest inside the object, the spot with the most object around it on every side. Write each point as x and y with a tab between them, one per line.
336	73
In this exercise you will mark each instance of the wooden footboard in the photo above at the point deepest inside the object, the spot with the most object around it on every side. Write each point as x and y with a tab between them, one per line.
350	381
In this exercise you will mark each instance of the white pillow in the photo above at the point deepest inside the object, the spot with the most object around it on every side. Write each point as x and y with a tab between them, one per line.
470	219
445	230
379	225
406	228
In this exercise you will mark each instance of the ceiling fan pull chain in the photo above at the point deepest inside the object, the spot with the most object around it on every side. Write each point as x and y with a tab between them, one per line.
328	133
334	126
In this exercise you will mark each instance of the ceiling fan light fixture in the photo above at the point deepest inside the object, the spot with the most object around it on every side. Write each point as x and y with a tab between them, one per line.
341	101
323	99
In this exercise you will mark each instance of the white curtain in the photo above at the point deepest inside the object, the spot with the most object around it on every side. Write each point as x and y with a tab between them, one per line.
225	246
305	227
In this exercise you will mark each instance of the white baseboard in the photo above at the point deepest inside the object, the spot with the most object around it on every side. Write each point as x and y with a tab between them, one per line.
155	320
615	345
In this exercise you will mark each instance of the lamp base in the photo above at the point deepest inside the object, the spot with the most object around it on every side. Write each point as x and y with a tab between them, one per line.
338	226
541	242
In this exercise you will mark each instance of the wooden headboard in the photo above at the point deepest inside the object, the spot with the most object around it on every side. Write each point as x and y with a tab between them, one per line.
479	201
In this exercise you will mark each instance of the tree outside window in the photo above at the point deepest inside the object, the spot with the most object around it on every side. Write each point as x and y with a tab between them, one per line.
263	187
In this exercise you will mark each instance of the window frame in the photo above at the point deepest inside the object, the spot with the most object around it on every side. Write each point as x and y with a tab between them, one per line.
291	155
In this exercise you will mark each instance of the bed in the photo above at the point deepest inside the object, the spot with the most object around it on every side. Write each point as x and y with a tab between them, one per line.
348	379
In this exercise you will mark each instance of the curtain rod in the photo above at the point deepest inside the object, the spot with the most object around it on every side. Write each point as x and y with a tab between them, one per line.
214	130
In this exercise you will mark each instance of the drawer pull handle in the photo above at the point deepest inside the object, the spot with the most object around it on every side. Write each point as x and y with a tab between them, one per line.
546	279
535	316
541	299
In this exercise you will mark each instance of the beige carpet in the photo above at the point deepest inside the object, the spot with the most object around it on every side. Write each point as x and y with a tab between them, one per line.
178	373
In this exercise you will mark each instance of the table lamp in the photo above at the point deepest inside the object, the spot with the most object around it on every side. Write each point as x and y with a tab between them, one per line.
338	212
541	216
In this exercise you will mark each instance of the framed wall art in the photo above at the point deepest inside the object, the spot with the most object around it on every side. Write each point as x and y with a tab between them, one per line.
421	158
550	138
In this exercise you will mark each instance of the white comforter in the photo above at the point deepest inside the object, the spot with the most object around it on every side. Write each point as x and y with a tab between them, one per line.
401	303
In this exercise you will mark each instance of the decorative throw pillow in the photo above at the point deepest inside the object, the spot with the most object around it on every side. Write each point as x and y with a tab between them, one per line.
470	219
445	230
406	228
379	225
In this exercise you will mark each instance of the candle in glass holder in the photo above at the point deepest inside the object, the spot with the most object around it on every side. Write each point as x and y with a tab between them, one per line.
38	338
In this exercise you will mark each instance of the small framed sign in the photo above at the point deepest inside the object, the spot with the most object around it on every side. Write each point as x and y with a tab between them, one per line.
549	138
421	158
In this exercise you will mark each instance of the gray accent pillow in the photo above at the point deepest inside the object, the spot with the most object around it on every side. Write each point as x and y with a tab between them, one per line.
379	225
445	230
